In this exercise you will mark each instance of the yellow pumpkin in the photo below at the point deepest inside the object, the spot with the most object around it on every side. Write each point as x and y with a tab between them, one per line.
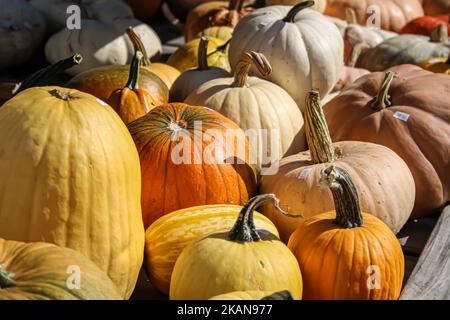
220	32
243	259
254	295
437	65
70	175
170	234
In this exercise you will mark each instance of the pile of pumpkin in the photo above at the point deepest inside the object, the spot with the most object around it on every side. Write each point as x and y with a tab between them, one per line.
88	178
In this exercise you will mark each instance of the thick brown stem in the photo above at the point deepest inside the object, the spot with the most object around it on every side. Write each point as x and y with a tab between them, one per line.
440	33
133	77
345	196
350	16
317	133
243	67
383	99
203	53
138	46
290	17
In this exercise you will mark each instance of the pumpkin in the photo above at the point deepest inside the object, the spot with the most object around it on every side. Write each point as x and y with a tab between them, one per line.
22	29
131	102
393	14
254	295
181	8
186	56
437	65
243	259
382	178
223	33
70	176
348	76
42	271
319	5
191	79
436	7
406	49
407	110
56	16
258	106
226	13
166	238
339	23
144	9
101	43
346	254
178	172
283	34
425	25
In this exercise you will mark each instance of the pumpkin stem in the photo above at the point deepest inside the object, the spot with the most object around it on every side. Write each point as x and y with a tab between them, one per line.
44	76
133	77
244	230
6	280
138	46
317	133
281	295
203	54
440	33
290	17
244	65
63	96
350	16
356	51
345	196
382	100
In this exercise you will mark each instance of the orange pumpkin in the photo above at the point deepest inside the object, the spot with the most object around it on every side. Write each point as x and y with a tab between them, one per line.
180	165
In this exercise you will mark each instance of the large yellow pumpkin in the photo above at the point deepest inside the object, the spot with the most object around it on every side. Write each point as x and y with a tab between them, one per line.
70	175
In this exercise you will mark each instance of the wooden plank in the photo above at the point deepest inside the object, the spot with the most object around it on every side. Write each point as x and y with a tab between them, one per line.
430	279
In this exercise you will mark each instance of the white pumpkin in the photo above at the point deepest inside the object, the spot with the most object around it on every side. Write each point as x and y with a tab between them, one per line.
319	5
22	29
254	104
101	43
304	48
193	78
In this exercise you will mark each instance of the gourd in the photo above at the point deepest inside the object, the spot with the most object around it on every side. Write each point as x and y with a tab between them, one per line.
283	34
437	65
258	106
382	178
425	25
339	251
191	79
182	167
169	235
41	271
254	295
70	176
22	29
436	7
407	110
319	5
243	259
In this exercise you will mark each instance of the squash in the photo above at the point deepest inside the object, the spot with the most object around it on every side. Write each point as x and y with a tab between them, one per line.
319	5
346	254
130	103
191	79
436	7
407	110
225	13
223	33
254	295
283	34
42	271
437	65
186	56
181	8
70	176
265	111
166	238
22	30
349	75
406	49
101	43
393	14
382	178
425	25
243	259
181	167
144	9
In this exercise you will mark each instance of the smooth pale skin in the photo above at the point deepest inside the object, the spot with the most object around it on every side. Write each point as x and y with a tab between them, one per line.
215	265
166	73
169	235
71	176
319	5
258	105
348	76
384	183
40	272
304	55
243	295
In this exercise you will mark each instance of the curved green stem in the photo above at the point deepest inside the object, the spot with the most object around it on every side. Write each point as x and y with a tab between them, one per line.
244	230
6	280
203	54
133	77
382	100
290	17
345	196
138	46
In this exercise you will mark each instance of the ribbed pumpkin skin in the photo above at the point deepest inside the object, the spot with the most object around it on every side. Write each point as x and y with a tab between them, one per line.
40	272
331	258
70	176
168	186
223	33
166	73
243	295
169	235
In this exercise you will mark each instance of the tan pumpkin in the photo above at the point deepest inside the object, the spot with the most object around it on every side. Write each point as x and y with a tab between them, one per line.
193	78
319	5
436	7
383	180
